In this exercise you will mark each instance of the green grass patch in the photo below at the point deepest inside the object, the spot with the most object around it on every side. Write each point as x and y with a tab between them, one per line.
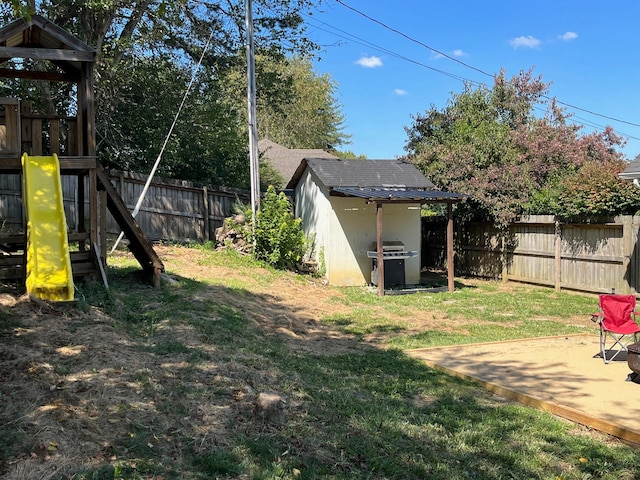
350	412
480	312
483	333
219	462
361	321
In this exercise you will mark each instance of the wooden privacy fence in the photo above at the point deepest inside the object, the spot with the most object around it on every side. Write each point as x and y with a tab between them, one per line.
177	210
539	249
173	210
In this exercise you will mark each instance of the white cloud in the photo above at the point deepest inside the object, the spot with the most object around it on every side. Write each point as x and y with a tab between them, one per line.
455	53
400	92
568	36
369	62
529	41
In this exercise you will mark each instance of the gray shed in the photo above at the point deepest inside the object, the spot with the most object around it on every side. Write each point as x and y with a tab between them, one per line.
364	218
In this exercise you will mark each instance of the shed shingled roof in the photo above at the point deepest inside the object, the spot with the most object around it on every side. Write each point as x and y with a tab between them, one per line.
374	180
364	173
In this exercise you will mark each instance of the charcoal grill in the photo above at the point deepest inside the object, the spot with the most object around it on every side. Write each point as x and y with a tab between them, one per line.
394	254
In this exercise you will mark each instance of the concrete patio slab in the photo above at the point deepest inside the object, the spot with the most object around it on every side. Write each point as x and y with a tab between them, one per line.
562	375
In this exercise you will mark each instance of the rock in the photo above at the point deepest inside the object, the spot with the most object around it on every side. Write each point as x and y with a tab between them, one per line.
270	407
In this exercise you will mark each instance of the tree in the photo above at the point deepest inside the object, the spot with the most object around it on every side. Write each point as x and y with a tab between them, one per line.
269	176
489	144
146	50
594	191
348	154
205	146
296	107
278	237
17	8
309	115
119	27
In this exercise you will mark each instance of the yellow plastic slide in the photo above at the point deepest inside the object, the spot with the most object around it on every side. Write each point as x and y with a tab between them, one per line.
49	274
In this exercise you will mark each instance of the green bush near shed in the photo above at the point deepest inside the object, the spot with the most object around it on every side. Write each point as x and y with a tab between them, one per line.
278	237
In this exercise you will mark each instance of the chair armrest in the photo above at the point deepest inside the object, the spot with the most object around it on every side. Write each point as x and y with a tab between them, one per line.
596	317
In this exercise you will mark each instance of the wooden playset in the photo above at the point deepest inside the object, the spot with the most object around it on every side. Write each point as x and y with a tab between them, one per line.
57	239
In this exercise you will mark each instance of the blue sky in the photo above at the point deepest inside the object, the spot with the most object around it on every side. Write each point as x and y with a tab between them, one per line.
589	51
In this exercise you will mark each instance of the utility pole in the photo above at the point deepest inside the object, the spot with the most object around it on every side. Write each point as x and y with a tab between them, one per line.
253	121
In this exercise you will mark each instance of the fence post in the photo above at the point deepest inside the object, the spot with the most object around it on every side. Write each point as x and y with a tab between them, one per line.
503	258
628	244
205	213
558	256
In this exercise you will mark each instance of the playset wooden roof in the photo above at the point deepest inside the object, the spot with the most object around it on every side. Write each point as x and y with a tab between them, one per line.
39	39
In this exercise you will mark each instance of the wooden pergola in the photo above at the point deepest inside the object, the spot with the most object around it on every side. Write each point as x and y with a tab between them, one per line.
450	251
380	197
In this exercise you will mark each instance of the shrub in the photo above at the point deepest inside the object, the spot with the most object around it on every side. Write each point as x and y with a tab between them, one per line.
278	237
594	191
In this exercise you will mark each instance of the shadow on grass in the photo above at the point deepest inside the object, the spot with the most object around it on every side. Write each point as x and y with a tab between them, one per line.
147	383
439	278
431	282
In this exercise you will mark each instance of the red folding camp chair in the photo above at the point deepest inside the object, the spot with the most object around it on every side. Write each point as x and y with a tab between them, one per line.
617	320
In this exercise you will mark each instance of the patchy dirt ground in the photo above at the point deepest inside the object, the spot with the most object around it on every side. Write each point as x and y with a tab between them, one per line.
73	383
301	304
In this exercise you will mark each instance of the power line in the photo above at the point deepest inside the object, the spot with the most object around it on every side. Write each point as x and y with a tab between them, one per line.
583	122
364	42
594	113
156	164
361	41
414	40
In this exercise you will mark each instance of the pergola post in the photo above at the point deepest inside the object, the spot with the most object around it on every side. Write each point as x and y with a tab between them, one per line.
450	253
379	249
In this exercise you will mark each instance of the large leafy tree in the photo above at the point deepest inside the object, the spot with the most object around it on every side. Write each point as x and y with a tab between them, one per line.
493	144
206	144
309	115
146	51
297	107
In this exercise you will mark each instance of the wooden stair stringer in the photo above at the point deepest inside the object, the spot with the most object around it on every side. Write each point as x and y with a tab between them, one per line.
139	245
